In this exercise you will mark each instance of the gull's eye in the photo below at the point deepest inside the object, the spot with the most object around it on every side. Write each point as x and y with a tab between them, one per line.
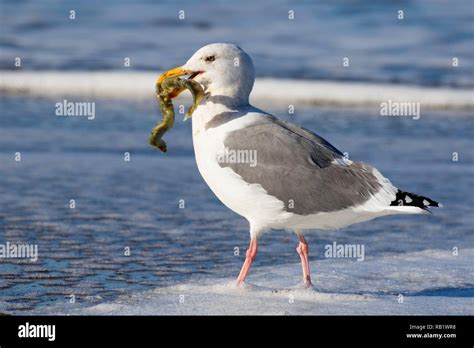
210	58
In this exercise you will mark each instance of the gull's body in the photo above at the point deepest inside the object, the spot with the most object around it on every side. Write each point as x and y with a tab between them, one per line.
298	181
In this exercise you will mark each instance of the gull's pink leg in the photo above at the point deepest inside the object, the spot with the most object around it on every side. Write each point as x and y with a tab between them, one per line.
302	250
249	257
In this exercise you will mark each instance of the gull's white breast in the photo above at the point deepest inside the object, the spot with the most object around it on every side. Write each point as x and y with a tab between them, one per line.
248	200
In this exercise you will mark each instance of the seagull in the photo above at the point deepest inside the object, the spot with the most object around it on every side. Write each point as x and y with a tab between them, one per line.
273	173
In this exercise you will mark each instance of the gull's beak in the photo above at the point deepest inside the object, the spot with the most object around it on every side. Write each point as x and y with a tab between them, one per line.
176	72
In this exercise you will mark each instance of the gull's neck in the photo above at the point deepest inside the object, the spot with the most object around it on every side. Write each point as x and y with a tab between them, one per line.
218	109
231	102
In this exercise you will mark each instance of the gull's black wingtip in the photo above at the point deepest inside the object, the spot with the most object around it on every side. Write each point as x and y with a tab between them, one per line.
409	199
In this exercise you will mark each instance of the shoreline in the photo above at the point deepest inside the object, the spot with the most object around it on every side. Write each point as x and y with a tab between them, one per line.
140	85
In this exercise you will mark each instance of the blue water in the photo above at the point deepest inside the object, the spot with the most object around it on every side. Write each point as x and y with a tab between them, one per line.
136	204
416	50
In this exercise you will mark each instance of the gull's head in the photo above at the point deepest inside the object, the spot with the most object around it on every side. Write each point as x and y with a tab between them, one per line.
224	70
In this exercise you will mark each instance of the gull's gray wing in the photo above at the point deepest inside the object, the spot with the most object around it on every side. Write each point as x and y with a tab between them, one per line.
296	165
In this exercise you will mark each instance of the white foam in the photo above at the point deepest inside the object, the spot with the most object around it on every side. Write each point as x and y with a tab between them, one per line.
140	85
431	282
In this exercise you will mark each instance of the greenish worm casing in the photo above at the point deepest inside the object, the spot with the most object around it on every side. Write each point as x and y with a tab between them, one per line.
165	91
